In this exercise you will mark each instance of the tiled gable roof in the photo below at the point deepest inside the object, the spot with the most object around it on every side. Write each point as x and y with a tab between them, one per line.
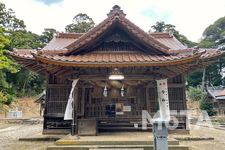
107	23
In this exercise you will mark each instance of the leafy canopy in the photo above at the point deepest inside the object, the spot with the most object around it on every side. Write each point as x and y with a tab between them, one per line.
160	26
5	62
82	23
214	34
195	94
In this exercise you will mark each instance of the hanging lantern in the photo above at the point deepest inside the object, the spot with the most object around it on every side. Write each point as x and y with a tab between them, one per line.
105	92
122	91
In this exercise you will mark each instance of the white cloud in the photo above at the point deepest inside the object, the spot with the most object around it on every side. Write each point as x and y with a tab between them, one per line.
191	17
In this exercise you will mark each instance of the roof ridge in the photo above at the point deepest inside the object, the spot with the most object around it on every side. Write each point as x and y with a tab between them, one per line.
113	16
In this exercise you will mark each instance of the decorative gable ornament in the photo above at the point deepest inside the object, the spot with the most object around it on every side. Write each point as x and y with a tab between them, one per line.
116	9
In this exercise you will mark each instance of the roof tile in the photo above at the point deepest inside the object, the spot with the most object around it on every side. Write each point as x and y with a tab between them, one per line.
146	57
92	58
112	58
105	58
85	58
99	58
153	58
119	58
133	57
126	58
222	93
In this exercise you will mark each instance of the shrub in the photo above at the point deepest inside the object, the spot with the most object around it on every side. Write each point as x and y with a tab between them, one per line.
207	106
195	94
3	98
10	98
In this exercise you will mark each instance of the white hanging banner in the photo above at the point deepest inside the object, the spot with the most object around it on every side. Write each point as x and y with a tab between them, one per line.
163	99
69	107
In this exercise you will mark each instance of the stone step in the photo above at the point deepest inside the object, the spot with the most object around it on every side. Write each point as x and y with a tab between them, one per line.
102	143
114	147
123	128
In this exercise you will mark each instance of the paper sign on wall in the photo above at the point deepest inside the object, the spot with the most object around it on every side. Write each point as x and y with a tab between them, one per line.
119	108
126	108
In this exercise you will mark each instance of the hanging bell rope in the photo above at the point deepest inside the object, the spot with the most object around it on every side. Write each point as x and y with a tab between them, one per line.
116	84
102	84
115	93
131	91
97	92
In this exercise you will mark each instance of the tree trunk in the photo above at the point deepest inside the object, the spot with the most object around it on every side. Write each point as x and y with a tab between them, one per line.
203	81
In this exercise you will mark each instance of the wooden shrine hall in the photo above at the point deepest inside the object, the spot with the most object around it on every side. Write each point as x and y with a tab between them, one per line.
114	48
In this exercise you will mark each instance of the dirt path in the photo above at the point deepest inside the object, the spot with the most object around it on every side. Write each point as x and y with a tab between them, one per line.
217	144
9	138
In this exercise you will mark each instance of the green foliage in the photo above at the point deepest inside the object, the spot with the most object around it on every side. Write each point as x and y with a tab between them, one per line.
215	32
10	98
47	35
213	37
3	98
6	98
82	23
207	106
162	27
8	19
15	79
5	62
195	94
194	79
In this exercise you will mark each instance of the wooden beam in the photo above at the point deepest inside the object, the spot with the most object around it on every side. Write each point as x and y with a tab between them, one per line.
103	70
176	85
135	70
61	72
106	77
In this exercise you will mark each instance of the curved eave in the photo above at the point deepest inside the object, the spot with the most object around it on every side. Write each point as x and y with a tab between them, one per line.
212	56
18	56
203	62
117	64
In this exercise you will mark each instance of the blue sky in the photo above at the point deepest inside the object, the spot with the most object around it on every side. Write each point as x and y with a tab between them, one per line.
190	17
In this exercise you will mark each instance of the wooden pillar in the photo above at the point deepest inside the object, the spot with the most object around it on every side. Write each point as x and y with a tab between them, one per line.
46	101
75	108
83	101
147	99
184	93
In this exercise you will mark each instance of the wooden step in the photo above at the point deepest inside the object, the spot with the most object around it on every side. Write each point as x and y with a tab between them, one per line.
122	128
114	147
122	124
112	142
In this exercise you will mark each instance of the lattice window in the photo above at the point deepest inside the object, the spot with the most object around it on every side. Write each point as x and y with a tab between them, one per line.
176	98
56	107
57	99
153	101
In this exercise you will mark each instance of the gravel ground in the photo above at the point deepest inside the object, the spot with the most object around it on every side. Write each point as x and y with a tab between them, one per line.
9	138
217	144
